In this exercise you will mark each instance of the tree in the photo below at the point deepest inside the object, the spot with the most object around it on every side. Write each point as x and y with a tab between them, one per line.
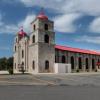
3	63
10	63
6	64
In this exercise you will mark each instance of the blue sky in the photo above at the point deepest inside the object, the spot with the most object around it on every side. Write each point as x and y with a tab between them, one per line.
77	22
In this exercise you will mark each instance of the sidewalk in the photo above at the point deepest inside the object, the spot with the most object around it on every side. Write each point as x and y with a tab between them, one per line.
82	73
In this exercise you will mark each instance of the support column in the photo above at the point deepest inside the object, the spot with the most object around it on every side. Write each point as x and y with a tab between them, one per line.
60	59
95	62
68	59
84	64
76	62
90	63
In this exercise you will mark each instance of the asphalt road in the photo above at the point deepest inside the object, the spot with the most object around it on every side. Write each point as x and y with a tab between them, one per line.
52	79
49	93
50	87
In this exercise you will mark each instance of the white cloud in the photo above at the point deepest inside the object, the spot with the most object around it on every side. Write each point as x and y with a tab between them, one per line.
1	23
26	22
69	8
9	29
12	29
9	1
4	28
44	3
28	2
95	25
90	7
64	23
89	39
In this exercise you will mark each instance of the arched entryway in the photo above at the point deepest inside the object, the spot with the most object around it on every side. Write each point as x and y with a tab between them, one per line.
98	64
47	65
93	64
72	62
80	62
87	63
33	65
22	64
63	59
22	68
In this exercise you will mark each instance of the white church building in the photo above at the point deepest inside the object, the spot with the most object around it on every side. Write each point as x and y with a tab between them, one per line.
38	52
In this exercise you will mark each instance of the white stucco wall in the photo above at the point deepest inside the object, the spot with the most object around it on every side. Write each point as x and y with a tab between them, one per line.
62	68
4	72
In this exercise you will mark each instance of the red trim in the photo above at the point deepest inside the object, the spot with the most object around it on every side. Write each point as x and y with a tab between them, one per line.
66	48
98	63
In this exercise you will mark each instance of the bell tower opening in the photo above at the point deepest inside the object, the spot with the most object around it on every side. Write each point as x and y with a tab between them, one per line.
46	27
46	38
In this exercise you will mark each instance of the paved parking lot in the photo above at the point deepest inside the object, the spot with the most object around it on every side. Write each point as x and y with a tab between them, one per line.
85	79
50	87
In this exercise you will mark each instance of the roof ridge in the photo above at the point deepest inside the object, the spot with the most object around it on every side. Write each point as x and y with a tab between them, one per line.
77	49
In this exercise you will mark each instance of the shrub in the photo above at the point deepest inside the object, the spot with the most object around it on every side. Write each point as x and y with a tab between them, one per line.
22	70
77	70
10	71
87	70
96	70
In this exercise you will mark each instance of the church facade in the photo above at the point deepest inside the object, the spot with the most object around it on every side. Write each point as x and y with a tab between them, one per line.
38	53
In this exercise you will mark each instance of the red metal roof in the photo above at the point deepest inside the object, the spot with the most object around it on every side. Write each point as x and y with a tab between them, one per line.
42	15
21	33
66	48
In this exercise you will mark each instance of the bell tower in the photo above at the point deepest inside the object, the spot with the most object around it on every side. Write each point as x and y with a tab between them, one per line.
42	45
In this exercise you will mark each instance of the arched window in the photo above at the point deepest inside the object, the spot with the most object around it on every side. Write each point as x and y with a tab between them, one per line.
80	62
46	38
16	40
22	53
63	59
87	64
46	65
33	39
34	27
22	63
72	62
98	63
46	27
93	64
15	48
15	65
22	66
33	65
